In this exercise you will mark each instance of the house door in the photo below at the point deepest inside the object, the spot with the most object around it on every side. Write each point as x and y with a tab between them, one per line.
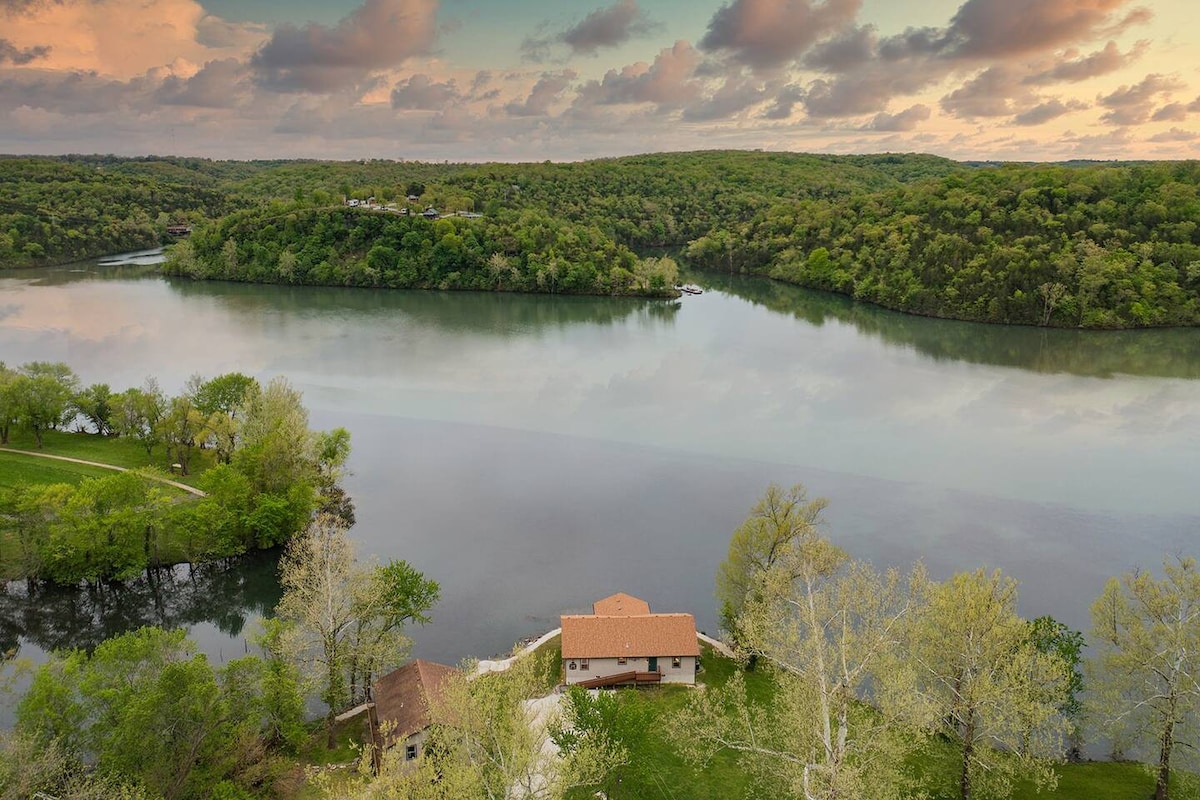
653	663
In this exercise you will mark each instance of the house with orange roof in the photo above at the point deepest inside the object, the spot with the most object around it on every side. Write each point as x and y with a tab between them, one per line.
622	643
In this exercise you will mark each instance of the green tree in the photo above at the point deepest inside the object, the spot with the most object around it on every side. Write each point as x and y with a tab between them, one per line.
598	735
779	521
832	632
30	768
43	393
10	401
183	429
226	394
980	679
1146	671
278	449
146	706
95	405
138	414
344	620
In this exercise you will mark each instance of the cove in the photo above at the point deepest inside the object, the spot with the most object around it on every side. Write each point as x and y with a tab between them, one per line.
533	453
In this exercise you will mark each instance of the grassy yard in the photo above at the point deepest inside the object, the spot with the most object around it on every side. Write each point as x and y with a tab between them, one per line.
113	450
669	777
17	469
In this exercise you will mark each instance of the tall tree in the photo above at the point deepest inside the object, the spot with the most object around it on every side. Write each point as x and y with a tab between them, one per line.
10	402
43	394
278	449
95	405
831	631
778	522
182	428
1146	672
980	678
137	414
344	620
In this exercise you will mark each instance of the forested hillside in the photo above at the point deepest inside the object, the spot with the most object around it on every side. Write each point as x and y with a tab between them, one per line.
1092	245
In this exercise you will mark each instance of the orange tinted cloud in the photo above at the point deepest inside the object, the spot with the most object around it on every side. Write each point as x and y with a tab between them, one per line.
126	38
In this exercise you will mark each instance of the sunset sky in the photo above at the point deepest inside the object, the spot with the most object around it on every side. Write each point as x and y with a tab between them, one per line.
470	80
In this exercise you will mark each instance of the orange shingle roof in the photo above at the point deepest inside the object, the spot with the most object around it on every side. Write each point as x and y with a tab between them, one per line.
632	636
402	697
620	605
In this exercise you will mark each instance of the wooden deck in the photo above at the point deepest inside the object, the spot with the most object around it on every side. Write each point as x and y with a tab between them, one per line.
631	678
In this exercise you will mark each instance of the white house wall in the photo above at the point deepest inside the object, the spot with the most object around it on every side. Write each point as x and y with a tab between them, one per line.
603	667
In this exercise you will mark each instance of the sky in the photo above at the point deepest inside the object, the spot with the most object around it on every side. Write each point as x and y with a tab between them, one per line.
479	80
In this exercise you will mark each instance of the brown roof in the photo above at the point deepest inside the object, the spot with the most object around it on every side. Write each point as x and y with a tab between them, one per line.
620	605
632	636
402	697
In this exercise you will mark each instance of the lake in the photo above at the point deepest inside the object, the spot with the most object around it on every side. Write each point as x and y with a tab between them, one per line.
534	453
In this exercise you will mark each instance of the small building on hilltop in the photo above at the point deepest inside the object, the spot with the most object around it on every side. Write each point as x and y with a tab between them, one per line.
622	643
402	700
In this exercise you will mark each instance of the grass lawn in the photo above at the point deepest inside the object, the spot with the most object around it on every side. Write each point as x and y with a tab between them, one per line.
669	777
18	469
113	450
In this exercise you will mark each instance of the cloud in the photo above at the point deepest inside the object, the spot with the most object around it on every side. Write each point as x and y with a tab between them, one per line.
1001	28
212	31
988	94
542	96
844	52
785	102
766	34
317	58
1175	135
11	54
1044	112
1132	105
124	38
421	92
69	93
733	96
1101	62
608	27
906	120
222	83
1172	112
999	40
668	82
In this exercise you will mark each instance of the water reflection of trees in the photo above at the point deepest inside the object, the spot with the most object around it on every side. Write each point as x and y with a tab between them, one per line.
499	314
224	595
1167	353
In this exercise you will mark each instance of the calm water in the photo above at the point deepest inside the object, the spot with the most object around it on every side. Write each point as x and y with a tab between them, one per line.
534	453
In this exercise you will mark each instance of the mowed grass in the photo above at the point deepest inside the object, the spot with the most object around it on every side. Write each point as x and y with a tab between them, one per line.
726	777
114	450
17	469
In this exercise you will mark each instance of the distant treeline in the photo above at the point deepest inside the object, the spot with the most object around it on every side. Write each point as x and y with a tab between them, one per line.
1092	245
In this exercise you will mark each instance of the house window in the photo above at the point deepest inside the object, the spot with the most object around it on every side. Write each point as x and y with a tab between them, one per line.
621	660
410	752
583	663
571	665
676	662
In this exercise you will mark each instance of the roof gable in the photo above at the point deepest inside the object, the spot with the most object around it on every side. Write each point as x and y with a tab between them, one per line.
402	697
620	605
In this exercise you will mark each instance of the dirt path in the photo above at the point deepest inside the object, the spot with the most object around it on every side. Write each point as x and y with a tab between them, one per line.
176	484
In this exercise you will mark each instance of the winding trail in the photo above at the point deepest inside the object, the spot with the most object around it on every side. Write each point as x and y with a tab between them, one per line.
113	467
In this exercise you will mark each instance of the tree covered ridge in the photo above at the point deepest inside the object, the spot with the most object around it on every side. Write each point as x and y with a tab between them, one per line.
1091	245
526	251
